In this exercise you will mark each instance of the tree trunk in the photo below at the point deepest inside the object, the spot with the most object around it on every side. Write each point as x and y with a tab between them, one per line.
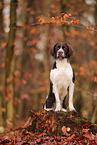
45	51
1	118
9	66
1	35
64	26
46	12
94	114
21	44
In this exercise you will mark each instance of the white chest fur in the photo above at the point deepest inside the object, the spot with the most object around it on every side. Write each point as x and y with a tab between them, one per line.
61	77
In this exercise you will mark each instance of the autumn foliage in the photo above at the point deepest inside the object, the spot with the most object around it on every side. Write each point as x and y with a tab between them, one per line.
53	128
59	20
38	25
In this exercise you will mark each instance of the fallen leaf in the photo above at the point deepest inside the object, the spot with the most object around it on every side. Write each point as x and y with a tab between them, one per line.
68	129
86	125
64	130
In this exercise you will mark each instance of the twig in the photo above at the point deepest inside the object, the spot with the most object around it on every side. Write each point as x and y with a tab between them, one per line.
27	122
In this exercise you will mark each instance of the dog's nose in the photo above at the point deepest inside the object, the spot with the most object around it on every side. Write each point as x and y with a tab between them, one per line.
60	52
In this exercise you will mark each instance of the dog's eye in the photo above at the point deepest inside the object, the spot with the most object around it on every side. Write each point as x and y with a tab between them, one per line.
63	48
57	48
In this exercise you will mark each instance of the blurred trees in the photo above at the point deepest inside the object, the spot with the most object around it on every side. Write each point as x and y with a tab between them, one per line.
29	49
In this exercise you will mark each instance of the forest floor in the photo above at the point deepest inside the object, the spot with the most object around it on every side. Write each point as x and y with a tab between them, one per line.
52	128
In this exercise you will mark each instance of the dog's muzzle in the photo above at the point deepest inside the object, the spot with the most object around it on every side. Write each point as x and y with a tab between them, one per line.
60	53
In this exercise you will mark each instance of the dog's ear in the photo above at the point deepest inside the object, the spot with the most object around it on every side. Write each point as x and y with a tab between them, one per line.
52	50
70	51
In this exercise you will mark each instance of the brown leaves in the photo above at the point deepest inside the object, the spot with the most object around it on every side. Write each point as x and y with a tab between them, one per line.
52	128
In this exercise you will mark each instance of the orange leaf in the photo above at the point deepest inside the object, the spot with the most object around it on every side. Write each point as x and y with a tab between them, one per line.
16	73
42	134
28	9
54	128
62	13
86	125
16	48
71	114
3	65
48	19
33	30
53	19
16	101
32	12
41	20
87	136
58	17
69	139
8	91
8	80
7	99
14	43
18	36
69	15
3	109
77	138
3	44
5	18
24	82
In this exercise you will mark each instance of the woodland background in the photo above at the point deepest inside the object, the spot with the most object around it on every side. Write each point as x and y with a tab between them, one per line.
25	62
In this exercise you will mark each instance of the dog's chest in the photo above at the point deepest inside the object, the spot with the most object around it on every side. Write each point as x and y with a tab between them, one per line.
62	75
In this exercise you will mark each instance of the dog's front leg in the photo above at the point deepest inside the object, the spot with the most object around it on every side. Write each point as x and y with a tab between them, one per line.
58	104
71	91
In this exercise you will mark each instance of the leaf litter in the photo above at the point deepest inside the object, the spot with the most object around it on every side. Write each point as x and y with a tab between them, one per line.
52	128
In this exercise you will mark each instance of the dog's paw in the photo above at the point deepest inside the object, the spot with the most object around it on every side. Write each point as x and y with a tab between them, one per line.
58	108
64	110
47	109
71	108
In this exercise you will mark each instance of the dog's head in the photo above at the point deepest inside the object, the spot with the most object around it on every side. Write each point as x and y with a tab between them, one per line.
61	50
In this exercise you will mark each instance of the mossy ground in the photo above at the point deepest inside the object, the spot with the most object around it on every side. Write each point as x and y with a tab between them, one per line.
51	122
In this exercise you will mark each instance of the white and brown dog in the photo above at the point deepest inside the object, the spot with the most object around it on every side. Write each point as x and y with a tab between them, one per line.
61	78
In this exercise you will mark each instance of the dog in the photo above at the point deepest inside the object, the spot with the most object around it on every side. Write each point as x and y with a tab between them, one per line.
61	78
